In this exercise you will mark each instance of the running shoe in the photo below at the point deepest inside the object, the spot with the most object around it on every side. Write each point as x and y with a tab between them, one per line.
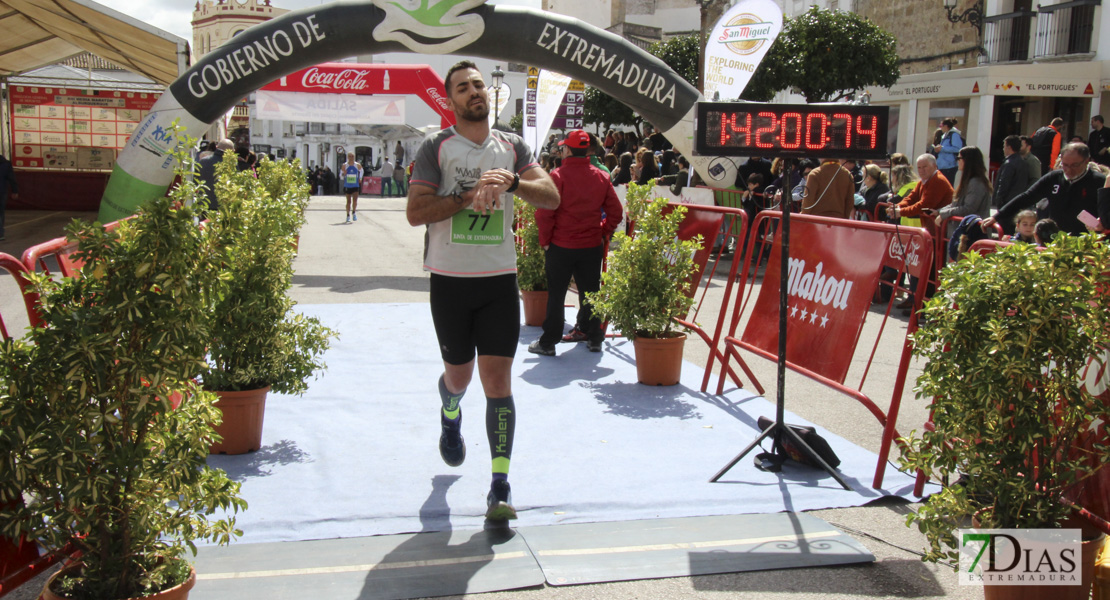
348	218
499	502
538	347
451	446
354	216
593	346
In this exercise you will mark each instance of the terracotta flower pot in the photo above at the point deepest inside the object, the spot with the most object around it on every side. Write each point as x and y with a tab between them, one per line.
535	307
242	426
180	592
659	360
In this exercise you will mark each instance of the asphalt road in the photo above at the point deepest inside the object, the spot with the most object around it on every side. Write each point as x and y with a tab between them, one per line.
378	258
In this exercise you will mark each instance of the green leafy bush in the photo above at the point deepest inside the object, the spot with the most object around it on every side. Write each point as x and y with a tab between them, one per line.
647	283
1008	341
531	275
258	340
86	426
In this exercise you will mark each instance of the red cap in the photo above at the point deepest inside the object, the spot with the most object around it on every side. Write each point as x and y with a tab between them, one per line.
576	139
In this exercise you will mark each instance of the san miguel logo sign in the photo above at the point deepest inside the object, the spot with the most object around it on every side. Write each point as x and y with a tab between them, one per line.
746	34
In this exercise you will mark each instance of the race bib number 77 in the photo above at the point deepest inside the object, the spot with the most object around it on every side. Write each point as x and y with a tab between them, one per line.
470	227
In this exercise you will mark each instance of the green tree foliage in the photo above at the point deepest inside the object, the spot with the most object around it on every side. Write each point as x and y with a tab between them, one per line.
603	110
824	54
516	123
681	54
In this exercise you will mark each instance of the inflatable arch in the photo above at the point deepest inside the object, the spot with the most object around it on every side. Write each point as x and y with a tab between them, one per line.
307	37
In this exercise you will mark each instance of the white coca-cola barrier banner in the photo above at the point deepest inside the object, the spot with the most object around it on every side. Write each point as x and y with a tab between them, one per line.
330	108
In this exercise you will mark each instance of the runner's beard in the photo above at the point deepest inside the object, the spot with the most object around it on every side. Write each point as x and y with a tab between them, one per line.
476	114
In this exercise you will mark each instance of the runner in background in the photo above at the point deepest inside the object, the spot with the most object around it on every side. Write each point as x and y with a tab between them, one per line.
352	179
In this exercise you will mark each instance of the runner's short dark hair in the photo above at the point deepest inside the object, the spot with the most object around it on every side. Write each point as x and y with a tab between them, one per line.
459	66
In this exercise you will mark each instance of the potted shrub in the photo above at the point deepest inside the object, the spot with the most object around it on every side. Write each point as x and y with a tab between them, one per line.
531	276
1009	337
647	285
258	342
88	433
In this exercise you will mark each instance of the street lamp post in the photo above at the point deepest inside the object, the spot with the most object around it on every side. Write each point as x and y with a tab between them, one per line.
972	16
498	77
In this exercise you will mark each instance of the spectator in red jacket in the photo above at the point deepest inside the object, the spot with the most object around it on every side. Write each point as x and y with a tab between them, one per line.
573	237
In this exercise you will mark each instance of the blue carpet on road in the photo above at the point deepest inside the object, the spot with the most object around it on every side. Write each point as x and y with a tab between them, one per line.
357	454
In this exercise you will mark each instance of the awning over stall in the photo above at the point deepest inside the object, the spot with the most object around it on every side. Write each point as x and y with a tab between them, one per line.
36	33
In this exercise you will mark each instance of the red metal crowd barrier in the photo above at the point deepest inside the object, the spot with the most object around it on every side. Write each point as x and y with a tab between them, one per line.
19	559
832	283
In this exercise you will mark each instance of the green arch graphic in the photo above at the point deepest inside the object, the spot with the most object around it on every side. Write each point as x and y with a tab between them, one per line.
311	36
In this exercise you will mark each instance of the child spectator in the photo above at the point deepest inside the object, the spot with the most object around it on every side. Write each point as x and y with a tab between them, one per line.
1045	231
1024	225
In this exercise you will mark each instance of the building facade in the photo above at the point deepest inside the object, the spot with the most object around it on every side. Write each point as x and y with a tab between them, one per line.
217	21
1008	67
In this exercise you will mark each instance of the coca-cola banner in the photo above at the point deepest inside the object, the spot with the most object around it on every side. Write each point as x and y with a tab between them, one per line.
833	271
330	108
370	79
310	36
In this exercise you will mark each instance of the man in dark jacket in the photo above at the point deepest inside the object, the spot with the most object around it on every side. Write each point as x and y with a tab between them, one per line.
1070	190
573	237
754	164
7	181
207	168
1099	141
1013	176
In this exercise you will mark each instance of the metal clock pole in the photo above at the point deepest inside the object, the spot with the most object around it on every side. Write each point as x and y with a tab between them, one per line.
779	429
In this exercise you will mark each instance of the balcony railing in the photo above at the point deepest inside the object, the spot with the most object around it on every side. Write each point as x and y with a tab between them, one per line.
1065	29
1006	37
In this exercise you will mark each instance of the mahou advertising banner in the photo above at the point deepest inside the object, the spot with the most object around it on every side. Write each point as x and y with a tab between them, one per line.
737	45
833	272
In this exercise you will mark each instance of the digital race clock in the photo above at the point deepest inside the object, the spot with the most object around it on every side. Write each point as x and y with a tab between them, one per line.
810	130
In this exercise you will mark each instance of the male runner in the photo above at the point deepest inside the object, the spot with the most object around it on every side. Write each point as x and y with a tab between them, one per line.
462	189
352	180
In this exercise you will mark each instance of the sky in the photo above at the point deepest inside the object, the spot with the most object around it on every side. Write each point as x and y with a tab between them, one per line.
174	16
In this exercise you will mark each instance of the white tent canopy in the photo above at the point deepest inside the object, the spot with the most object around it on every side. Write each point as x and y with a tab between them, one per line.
36	33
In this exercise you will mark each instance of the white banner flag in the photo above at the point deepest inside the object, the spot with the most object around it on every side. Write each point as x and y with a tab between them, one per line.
550	92
498	100
330	108
737	45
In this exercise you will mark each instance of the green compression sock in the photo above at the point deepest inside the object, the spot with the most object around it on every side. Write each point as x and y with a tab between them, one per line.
500	427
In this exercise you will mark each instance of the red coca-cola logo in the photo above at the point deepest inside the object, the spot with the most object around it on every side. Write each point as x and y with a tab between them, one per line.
347	79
